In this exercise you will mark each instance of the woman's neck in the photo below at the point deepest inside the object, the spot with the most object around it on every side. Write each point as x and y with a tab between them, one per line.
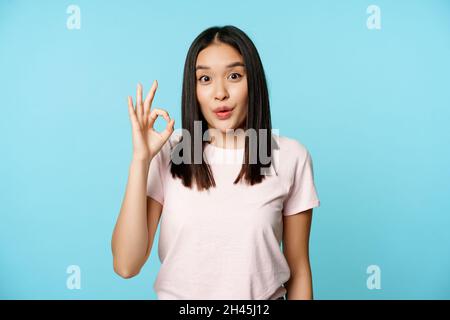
232	140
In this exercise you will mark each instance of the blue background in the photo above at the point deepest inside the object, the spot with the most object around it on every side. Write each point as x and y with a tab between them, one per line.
371	106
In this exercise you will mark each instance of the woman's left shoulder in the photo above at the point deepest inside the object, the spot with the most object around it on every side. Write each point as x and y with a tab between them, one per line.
291	147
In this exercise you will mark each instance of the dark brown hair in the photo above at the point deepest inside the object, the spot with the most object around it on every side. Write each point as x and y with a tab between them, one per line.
258	114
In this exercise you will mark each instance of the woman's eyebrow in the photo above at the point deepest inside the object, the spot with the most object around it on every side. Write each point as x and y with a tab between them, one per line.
231	65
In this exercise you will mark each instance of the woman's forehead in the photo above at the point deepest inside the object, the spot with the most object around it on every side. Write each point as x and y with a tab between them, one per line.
218	56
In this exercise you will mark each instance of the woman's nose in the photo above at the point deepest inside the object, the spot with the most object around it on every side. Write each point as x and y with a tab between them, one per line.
221	91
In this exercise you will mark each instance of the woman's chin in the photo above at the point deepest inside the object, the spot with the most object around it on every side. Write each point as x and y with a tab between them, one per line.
225	126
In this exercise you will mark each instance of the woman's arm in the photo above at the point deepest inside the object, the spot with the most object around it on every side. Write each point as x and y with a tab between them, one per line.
135	228
130	237
296	250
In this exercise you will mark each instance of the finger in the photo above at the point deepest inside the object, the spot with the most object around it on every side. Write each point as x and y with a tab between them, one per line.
132	113
139	102
154	114
169	129
149	99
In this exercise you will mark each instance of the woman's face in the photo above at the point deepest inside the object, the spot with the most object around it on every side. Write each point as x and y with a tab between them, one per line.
222	82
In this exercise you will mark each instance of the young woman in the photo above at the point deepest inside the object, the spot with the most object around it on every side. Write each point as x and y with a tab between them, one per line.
222	218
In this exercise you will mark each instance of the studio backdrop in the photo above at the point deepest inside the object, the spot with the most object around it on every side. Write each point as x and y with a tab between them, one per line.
364	85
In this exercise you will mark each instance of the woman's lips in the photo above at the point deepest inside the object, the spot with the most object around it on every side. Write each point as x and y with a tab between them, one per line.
223	115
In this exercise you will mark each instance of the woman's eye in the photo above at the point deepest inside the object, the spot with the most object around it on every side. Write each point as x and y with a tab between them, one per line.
236	76
203	77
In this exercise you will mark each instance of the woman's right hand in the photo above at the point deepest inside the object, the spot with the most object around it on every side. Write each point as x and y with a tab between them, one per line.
146	141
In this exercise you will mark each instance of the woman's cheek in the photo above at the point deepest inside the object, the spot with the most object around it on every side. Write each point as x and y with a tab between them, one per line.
201	99
241	94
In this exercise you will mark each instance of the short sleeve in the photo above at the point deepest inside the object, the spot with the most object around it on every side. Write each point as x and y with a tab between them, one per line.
155	183
302	193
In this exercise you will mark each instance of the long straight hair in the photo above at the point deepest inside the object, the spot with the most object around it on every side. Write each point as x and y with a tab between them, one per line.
258	113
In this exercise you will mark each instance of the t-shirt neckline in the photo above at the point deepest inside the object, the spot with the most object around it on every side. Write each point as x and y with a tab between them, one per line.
225	149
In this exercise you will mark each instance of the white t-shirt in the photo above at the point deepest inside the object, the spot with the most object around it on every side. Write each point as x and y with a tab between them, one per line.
224	243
